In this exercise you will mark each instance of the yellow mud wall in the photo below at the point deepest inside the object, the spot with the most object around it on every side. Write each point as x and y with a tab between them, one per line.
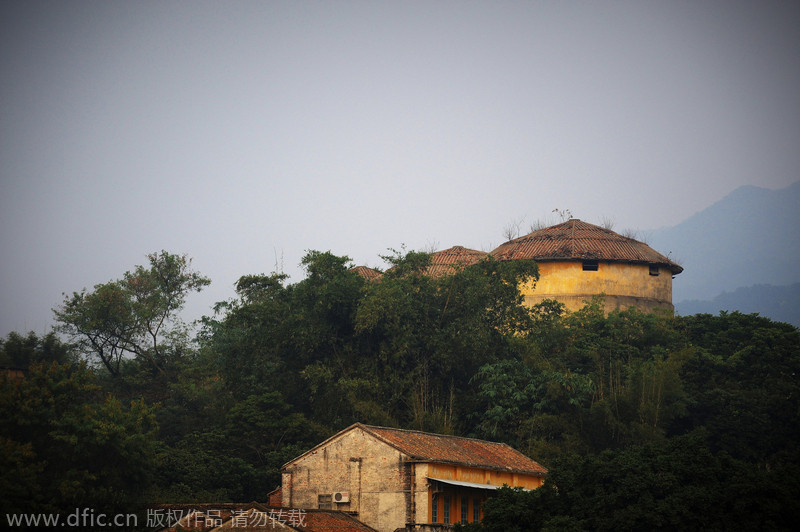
623	284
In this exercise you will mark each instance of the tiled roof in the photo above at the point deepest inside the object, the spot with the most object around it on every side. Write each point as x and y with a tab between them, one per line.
578	240
256	520
367	273
451	260
333	521
252	517
205	517
428	447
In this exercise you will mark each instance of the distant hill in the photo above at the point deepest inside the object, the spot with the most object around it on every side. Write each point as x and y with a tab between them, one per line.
747	239
779	303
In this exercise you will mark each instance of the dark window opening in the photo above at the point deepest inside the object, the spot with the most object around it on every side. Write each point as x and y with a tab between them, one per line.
590	265
446	510
654	270
325	502
435	508
464	509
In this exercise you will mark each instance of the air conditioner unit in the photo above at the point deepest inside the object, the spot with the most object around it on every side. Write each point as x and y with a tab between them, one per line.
341	496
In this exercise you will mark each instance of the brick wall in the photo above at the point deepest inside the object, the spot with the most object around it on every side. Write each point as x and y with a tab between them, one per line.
375	475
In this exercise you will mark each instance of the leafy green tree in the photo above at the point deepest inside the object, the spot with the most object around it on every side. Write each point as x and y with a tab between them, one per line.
200	467
583	381
265	431
250	338
290	338
233	451
324	307
680	484
547	336
136	315
539	412
743	384
66	445
18	351
632	360
344	350
430	335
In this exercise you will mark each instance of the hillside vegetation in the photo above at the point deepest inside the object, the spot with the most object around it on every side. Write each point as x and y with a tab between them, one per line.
644	420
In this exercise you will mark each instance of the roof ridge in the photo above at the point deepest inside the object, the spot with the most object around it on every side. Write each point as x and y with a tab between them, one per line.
436	434
457	247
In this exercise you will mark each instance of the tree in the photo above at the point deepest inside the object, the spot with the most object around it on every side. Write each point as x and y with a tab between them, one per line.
19	352
248	336
743	381
676	485
65	445
430	335
136	315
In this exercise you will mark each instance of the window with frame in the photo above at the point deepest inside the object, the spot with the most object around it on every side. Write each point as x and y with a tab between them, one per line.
446	510
325	501
464	509
590	265
476	510
435	508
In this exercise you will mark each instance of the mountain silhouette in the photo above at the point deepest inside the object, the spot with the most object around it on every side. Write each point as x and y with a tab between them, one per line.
748	239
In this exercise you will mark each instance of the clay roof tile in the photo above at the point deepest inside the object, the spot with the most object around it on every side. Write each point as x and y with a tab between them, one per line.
429	447
451	260
578	240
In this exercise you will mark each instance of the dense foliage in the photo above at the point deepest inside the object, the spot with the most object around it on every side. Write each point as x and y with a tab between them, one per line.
645	420
67	445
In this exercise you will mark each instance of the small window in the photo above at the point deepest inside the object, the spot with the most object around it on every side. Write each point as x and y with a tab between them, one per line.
325	502
446	510
590	265
464	509
654	270
476	510
435	509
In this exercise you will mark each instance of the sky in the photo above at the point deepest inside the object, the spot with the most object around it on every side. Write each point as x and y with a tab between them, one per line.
245	133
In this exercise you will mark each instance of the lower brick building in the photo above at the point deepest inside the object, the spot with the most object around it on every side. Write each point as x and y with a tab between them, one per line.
394	479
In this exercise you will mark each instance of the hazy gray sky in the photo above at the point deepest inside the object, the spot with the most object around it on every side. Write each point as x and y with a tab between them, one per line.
245	133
